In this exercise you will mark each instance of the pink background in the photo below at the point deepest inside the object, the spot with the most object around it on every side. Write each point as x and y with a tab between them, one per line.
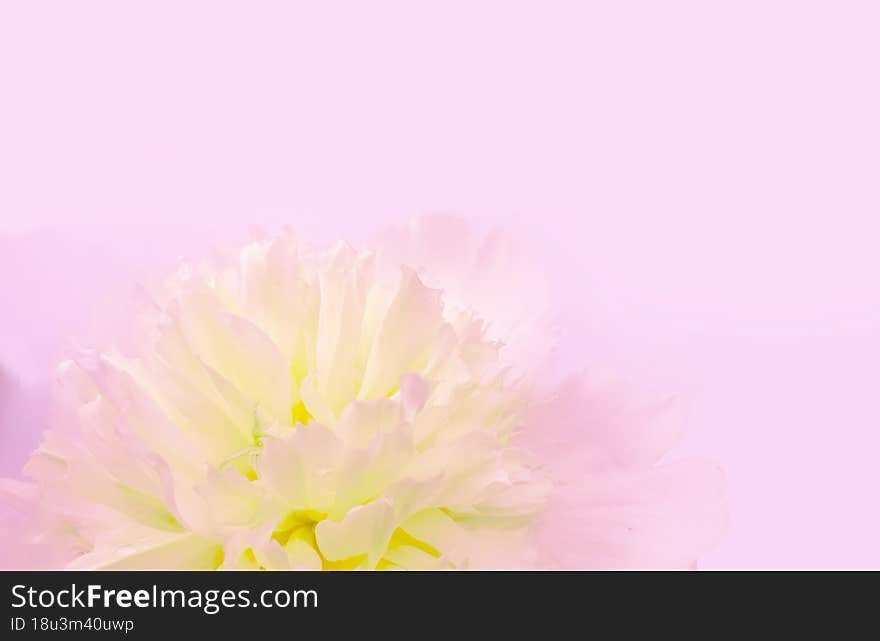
700	177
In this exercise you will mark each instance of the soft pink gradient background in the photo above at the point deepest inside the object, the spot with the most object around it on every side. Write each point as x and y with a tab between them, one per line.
702	179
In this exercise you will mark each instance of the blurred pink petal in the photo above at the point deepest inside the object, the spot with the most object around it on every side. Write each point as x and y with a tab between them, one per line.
614	506
494	275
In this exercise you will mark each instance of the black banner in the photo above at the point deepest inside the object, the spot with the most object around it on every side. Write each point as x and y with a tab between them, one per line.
154	605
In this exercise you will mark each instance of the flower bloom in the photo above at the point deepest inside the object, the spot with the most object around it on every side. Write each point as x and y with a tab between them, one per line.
304	408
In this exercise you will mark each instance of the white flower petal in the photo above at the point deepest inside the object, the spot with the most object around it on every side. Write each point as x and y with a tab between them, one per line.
364	531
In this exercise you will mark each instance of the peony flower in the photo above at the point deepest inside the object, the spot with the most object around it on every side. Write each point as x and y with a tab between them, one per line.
293	407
